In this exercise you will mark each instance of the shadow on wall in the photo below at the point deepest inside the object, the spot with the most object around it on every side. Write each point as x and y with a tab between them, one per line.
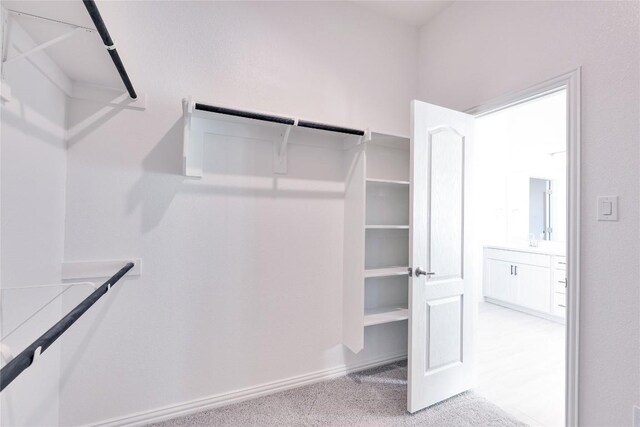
19	115
92	320
89	116
161	179
234	167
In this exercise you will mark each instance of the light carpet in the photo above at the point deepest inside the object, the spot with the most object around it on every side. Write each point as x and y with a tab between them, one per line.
375	397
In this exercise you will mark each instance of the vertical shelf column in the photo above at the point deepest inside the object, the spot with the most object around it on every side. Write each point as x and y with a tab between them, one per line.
354	243
376	236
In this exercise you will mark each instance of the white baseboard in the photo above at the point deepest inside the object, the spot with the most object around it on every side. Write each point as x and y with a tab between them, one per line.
215	401
548	316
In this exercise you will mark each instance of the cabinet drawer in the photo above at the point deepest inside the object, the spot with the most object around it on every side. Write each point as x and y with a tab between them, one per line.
559	300
560	281
517	257
560	287
560	262
559	304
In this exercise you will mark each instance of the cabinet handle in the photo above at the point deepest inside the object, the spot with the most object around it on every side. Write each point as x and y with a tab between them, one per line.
515	269
512	270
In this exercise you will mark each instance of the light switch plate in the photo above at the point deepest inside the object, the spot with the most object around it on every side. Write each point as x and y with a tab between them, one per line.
608	208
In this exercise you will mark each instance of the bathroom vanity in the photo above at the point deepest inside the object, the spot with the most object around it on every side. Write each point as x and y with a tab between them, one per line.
528	279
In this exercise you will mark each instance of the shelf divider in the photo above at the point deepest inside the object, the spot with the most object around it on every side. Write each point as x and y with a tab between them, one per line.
387	181
386	227
385	272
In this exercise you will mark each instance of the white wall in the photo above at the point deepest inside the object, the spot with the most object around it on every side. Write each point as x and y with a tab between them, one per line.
476	51
33	202
242	272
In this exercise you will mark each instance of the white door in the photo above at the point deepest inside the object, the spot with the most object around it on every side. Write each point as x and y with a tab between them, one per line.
441	307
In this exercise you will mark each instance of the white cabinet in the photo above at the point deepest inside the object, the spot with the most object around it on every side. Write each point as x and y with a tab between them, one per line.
559	303
501	282
529	281
533	287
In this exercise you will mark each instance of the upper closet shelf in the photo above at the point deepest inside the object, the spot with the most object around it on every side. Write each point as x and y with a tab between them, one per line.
70	44
202	119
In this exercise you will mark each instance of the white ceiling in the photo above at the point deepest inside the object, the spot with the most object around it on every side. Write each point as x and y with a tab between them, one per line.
415	13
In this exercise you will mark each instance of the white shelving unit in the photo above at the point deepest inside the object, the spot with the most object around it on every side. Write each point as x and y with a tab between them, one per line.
376	265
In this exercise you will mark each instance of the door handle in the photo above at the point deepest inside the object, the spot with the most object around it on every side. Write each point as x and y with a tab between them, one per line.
421	272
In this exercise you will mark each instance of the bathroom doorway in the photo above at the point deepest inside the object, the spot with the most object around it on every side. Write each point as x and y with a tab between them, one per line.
521	171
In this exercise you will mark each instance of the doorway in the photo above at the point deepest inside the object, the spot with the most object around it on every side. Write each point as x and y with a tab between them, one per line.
526	174
521	269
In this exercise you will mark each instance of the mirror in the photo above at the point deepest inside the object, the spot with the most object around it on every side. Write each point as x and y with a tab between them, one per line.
540	209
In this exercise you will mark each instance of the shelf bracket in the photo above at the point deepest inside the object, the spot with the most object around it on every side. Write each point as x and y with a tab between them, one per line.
5	353
43	45
5	42
352	141
366	137
192	142
280	151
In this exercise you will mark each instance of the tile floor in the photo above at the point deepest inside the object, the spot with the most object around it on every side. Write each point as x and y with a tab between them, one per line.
521	364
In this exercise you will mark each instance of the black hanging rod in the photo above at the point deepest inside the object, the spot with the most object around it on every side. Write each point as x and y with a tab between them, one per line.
276	119
108	43
245	114
330	128
23	360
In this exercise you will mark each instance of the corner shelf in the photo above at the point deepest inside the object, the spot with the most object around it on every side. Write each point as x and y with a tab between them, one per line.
386	272
382	315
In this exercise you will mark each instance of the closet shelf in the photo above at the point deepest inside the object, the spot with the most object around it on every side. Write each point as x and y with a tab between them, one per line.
382	315
387	181
201	119
387	227
385	272
93	72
